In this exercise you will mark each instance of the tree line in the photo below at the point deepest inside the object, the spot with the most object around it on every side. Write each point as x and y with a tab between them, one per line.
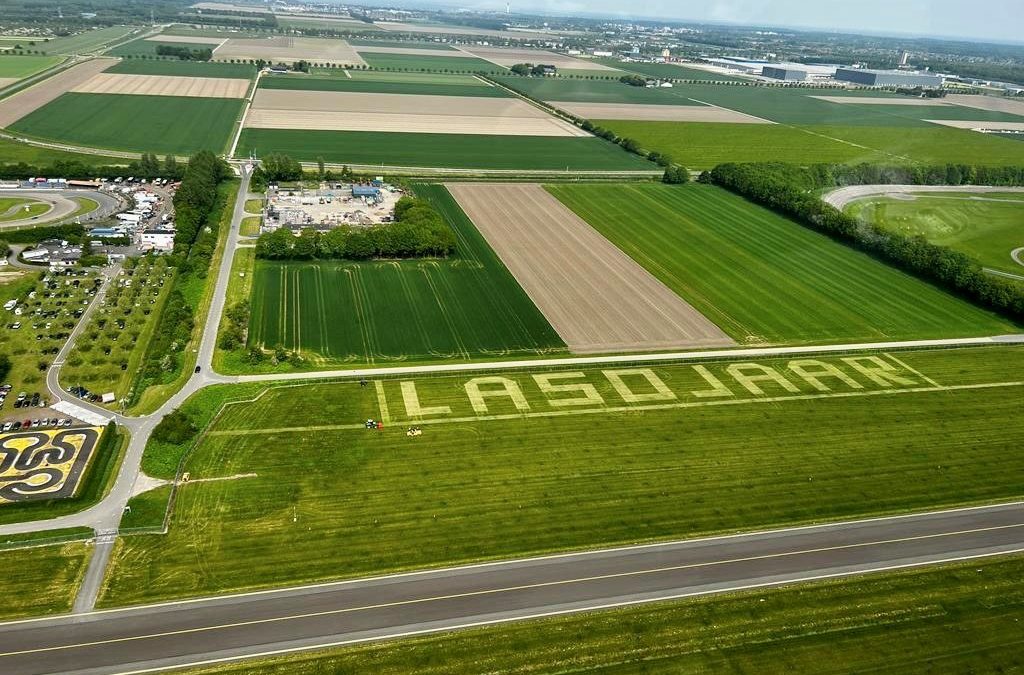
185	53
148	166
418	230
793	191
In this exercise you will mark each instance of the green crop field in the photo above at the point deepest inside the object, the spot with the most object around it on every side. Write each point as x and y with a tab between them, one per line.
402	44
163	124
466	306
87	42
965	617
23	66
670	70
12	152
930	145
326	23
184	68
986	227
593	91
504	470
42	580
375	86
763	278
147	48
406	77
455	64
464	151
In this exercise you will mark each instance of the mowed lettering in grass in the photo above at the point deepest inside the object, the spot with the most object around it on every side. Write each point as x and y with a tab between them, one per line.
456	399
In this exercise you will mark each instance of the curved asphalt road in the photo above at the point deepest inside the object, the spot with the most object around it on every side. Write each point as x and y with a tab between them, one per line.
234	627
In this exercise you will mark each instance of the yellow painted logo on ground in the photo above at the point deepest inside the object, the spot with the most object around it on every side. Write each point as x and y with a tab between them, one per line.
45	463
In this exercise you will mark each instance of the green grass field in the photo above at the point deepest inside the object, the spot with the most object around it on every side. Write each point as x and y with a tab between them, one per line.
705	145
42	580
763	278
473	88
986	227
160	124
23	66
465	306
12	152
87	42
593	91
670	70
462	151
403	44
12	208
962	618
184	68
330	499
455	64
405	77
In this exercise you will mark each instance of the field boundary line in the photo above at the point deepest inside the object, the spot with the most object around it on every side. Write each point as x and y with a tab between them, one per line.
627	408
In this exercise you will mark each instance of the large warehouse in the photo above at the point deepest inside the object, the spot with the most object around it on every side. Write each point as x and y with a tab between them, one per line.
888	78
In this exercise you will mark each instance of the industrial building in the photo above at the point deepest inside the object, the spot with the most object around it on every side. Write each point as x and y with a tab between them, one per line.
784	73
888	78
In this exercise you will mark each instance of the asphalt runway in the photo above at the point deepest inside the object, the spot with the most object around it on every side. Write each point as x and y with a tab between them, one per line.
217	629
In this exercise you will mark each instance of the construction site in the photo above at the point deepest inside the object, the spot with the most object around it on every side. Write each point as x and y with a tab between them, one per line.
330	205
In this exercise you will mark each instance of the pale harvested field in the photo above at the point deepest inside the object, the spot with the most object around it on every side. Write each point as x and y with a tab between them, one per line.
186	39
657	113
399	27
992	126
7	81
224	6
289	50
164	85
593	294
992	103
510	57
345	101
13	108
326	120
881	100
454	53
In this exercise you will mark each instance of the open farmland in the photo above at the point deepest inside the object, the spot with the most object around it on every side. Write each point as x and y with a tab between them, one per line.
412	62
594	295
467	305
162	124
14	108
594	91
146	48
457	85
988	227
508	57
499	480
19	67
523	153
654	113
184	69
164	85
288	50
765	279
88	42
671	71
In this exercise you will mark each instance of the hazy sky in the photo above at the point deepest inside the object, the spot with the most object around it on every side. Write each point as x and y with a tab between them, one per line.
1001	20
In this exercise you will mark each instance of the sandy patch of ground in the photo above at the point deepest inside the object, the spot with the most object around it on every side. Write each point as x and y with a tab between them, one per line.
164	85
656	113
881	100
13	108
988	126
186	39
414	52
593	294
7	81
326	120
991	103
345	101
510	57
289	50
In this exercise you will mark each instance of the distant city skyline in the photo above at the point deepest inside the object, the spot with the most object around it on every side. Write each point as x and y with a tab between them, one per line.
993	20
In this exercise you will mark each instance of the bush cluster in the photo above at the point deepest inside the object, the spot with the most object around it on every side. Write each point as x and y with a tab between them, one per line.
184	53
419	230
792	191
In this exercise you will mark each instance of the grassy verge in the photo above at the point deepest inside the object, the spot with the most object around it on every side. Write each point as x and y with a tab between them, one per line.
306	493
254	206
42	580
93	486
954	619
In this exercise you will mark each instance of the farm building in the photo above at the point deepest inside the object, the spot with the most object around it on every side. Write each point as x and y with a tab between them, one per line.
888	78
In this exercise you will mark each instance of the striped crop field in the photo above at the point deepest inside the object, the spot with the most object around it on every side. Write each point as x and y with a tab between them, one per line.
765	279
469	87
466	306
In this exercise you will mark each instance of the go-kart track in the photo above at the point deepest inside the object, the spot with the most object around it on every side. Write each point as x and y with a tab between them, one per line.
149	638
62	206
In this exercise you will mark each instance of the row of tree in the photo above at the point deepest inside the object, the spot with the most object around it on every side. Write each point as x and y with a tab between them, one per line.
785	189
419	230
820	176
148	167
183	53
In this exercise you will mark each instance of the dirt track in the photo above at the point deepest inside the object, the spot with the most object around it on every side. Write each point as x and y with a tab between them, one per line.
656	113
593	294
164	85
881	100
28	100
843	196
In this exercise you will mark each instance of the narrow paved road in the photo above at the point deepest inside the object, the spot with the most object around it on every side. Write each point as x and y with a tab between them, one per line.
233	627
